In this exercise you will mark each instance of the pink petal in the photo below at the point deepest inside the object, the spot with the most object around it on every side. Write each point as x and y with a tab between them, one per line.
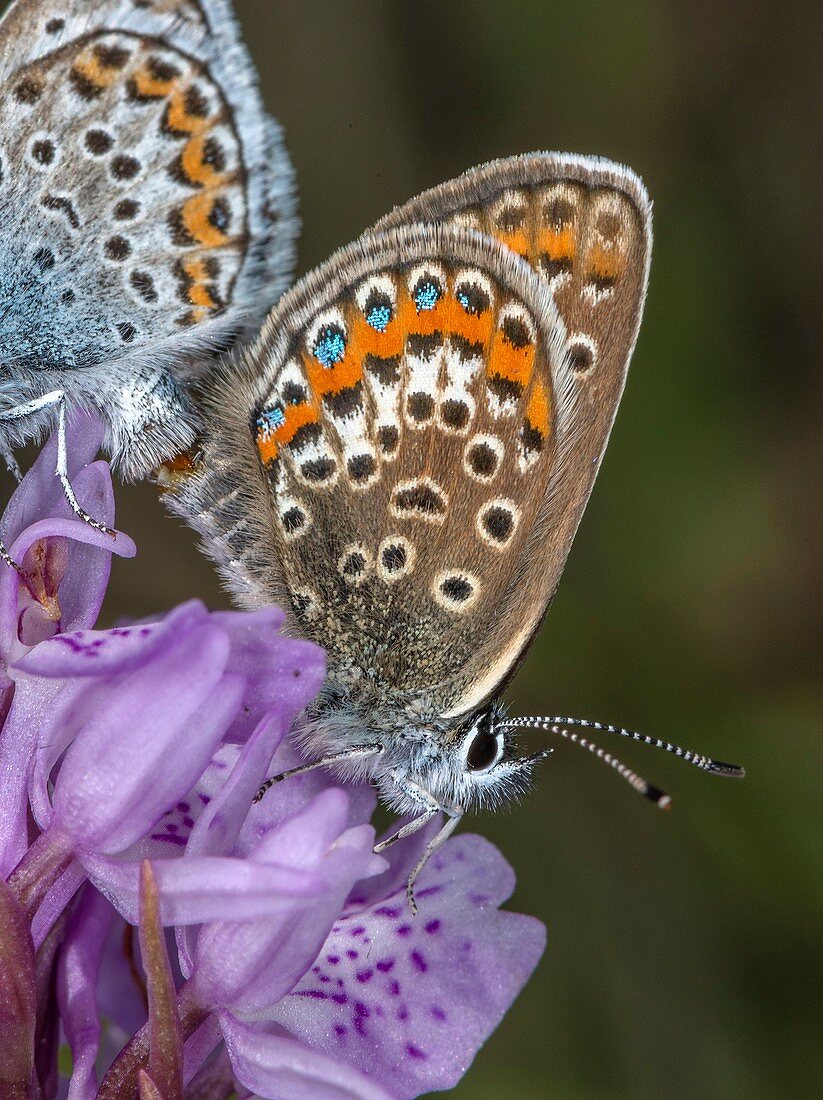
411	1000
275	1065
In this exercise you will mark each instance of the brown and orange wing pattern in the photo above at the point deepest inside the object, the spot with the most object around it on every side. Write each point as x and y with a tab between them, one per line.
584	225
377	462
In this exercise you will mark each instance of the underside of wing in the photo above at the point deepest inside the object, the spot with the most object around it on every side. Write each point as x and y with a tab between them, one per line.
377	462
584	225
152	197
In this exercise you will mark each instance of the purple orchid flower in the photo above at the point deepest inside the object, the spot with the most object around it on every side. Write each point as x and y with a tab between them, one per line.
291	966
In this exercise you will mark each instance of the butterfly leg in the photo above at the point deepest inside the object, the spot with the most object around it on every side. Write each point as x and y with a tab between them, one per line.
62	471
324	762
437	841
428	805
7	558
20	412
12	466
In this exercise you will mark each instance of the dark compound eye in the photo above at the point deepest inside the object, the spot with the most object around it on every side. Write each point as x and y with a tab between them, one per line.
484	751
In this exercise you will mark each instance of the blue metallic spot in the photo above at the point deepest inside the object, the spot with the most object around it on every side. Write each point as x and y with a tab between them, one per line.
378	317
330	346
271	419
427	295
463	299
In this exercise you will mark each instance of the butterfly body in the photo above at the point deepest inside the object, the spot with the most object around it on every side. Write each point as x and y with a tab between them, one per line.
402	458
146	214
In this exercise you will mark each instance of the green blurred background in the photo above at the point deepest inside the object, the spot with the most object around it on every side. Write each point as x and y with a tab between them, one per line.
684	953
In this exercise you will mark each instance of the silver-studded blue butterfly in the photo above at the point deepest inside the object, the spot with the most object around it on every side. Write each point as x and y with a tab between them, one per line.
146	216
403	457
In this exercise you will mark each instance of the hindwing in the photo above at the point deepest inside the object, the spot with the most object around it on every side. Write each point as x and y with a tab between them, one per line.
151	197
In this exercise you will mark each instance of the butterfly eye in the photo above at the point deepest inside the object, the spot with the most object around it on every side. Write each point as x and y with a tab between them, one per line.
484	747
484	752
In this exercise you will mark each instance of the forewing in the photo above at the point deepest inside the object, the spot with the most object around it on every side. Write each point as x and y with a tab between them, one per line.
149	199
584	225
378	462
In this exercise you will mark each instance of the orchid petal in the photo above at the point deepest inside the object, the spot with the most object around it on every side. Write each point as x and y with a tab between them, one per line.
411	1000
113	786
275	1065
204	888
78	969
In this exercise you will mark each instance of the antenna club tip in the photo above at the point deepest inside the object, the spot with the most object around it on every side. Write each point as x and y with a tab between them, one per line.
658	797
733	771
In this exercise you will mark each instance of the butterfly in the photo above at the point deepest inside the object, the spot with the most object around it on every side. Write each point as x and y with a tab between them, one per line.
402	458
146	217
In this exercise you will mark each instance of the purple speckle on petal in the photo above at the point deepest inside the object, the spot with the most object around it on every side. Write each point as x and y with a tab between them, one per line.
339	998
361	1014
358	931
394	989
183	807
333	959
352	954
419	962
413	1051
387	911
438	1013
432	926
188	822
402	1013
404	930
364	975
385	965
340	1030
179	841
427	893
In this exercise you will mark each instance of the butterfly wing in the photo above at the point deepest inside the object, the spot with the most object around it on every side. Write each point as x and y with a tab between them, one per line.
584	225
151	196
379	461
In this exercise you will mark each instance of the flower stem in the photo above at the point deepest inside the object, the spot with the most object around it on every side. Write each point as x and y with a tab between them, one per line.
42	865
121	1081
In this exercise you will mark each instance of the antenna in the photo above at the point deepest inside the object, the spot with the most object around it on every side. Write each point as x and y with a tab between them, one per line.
552	725
654	794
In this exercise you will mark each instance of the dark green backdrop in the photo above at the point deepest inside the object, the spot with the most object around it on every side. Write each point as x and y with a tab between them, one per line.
684	948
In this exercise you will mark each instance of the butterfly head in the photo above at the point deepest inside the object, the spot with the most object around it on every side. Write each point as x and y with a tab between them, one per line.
471	763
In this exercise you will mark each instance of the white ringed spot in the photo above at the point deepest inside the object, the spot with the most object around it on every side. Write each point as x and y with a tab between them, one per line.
395	558
482	457
354	564
497	522
456	590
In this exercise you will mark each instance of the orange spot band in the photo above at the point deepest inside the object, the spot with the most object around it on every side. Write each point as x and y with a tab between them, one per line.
513	364
196	214
537	411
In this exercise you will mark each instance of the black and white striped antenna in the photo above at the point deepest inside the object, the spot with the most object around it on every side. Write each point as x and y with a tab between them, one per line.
556	726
